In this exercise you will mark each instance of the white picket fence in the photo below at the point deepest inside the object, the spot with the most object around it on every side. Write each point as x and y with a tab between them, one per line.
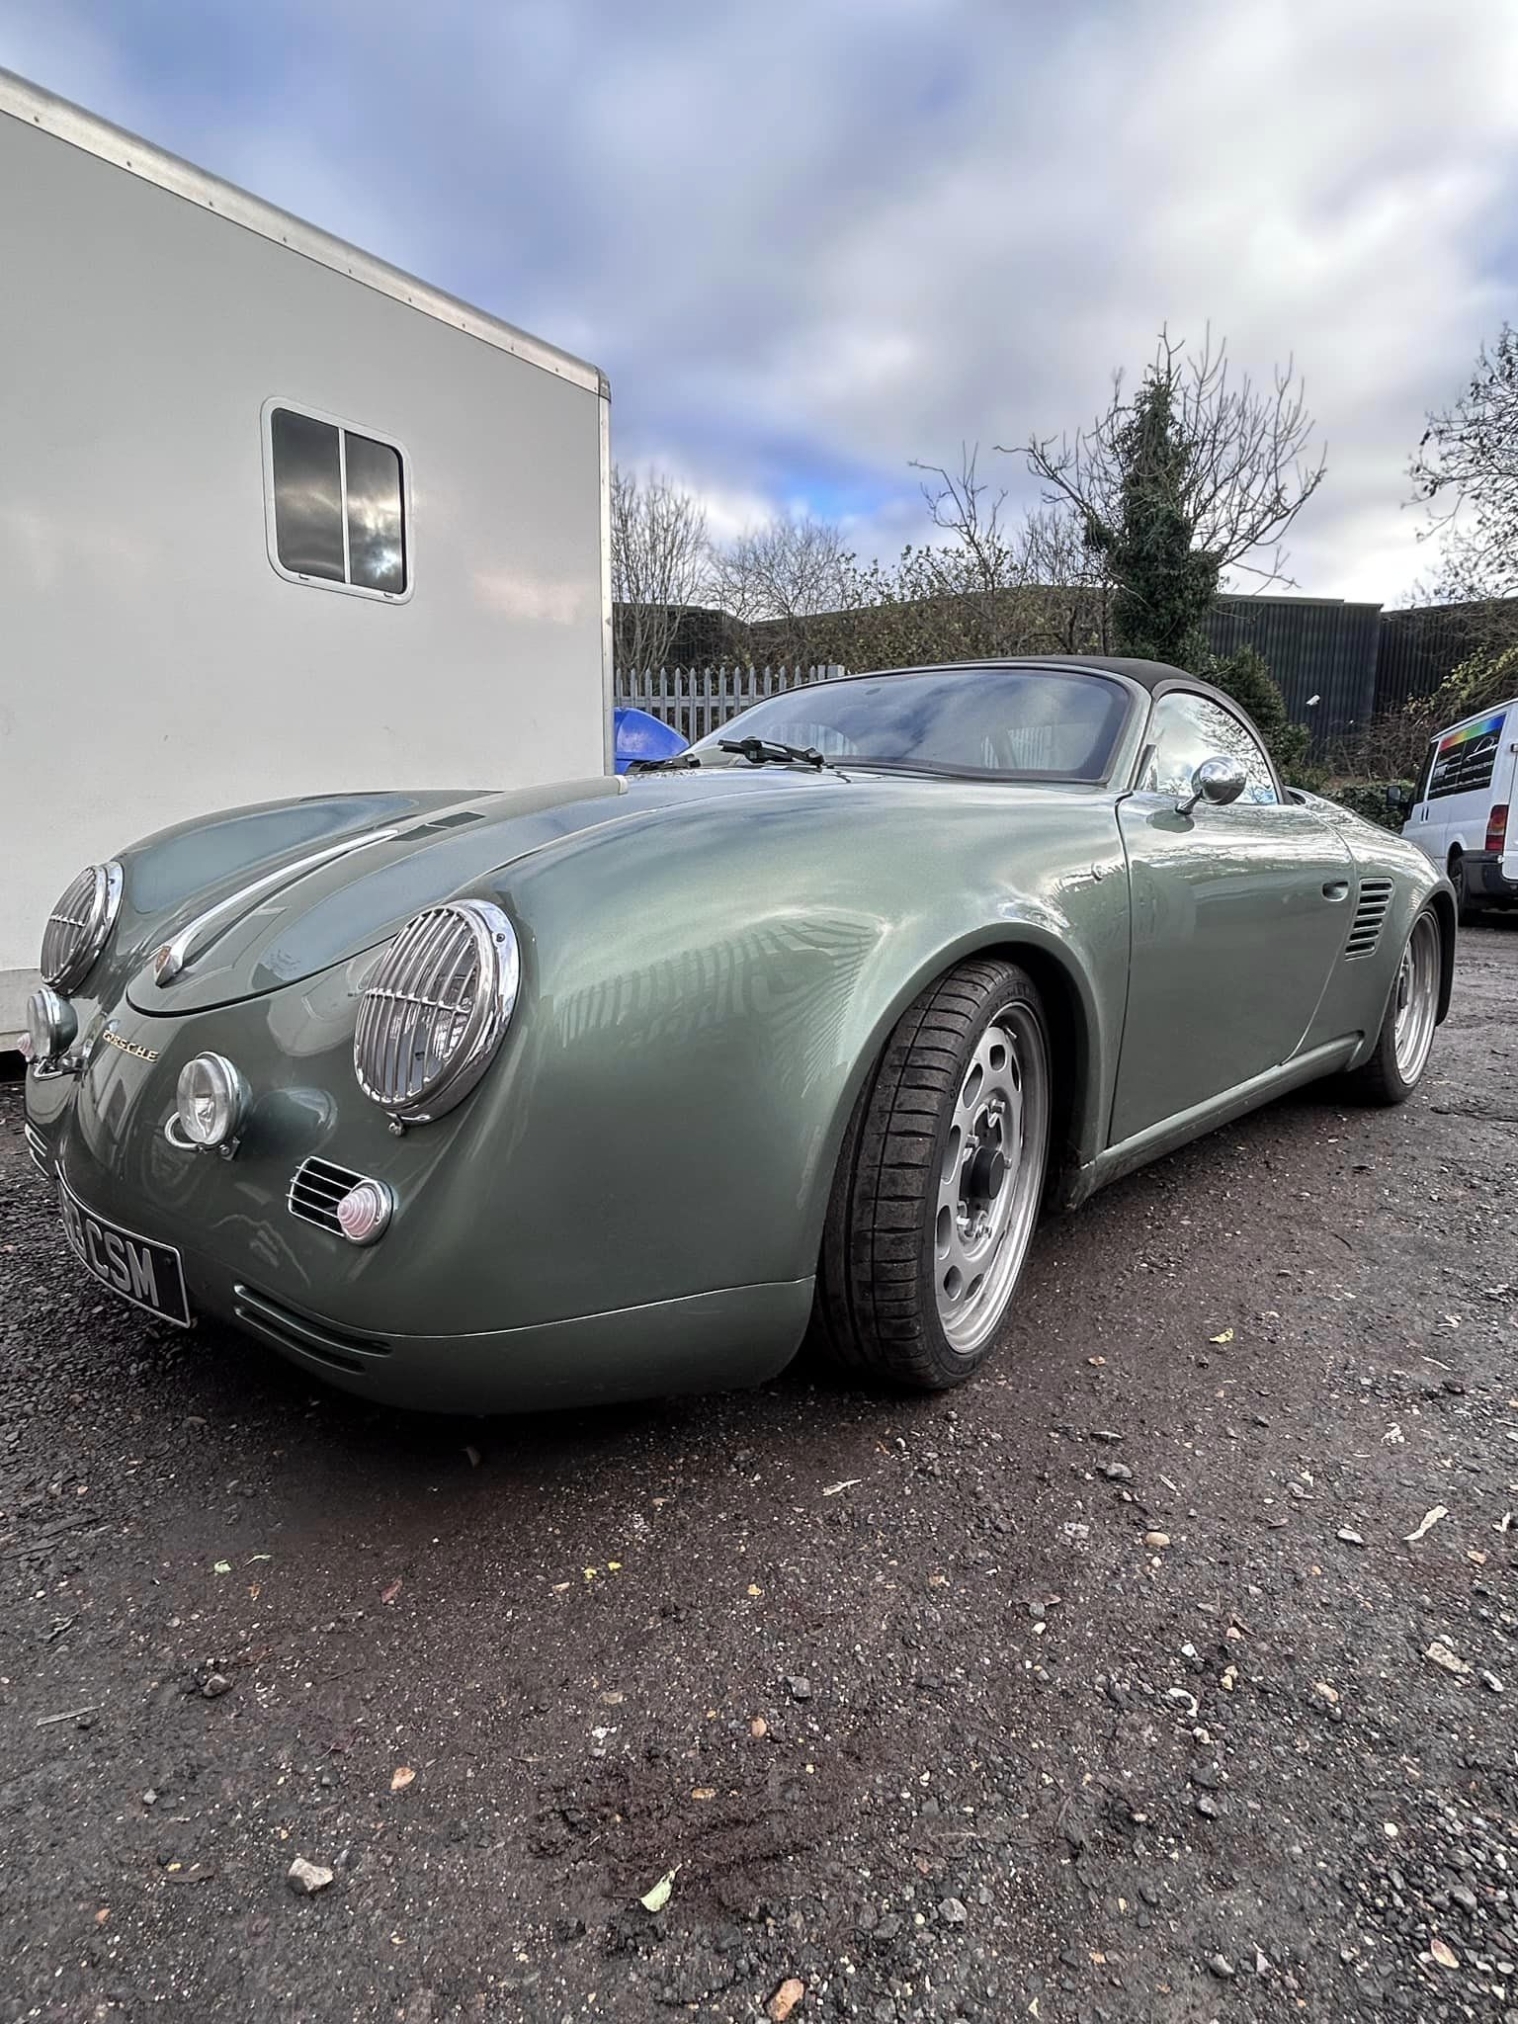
696	701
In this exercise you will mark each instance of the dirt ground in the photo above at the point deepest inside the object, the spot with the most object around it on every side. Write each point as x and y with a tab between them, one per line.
1109	1688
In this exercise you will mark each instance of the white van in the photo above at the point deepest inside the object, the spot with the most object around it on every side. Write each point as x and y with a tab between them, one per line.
1461	805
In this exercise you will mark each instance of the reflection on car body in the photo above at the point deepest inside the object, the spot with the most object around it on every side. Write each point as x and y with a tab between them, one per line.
499	1100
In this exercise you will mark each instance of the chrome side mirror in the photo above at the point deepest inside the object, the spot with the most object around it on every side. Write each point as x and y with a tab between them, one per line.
1216	781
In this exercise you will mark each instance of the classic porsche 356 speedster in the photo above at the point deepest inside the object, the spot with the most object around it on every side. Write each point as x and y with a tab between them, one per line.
611	1089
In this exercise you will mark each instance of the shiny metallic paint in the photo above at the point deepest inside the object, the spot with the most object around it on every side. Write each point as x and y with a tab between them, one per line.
632	1199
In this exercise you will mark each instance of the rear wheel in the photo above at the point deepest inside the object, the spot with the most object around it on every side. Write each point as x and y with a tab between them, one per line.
1407	1031
940	1181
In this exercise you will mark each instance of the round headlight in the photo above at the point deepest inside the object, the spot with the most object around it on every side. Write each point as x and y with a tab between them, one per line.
434	1012
211	1100
80	925
51	1024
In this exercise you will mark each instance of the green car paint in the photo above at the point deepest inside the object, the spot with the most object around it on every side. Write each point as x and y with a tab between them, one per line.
631	1201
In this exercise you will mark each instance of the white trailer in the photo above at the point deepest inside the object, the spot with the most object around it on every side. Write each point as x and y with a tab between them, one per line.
275	518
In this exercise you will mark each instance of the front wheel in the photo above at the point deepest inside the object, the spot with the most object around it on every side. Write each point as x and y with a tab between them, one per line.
940	1181
1407	1031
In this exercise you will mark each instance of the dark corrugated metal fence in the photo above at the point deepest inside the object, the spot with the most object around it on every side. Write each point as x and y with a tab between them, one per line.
1420	647
1321	652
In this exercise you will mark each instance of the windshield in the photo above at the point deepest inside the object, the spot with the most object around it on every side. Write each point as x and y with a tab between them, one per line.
1022	723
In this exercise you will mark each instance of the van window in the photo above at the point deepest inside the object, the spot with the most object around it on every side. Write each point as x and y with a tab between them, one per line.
336	504
1465	759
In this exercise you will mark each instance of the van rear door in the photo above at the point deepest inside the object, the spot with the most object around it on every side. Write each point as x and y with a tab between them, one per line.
1505	796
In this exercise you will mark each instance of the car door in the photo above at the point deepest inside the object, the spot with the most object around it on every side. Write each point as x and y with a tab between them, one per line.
1238	916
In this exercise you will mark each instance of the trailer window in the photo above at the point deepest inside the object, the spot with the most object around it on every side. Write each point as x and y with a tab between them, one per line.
337	504
376	553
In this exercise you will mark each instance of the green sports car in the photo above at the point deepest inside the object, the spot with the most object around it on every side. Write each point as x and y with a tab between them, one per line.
481	1101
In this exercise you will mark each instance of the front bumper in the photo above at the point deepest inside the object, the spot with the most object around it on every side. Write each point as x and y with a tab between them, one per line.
707	1341
258	1278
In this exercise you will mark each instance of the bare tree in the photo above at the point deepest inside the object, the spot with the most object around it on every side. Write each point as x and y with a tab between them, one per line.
783	574
1074	602
983	552
997	582
1002	583
1467	470
1199	472
659	564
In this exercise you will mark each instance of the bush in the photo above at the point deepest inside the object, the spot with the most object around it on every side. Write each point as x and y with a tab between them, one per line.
1485	679
1247	678
1367	798
1392	746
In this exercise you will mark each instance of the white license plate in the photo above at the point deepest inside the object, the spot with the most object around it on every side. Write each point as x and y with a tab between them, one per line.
150	1275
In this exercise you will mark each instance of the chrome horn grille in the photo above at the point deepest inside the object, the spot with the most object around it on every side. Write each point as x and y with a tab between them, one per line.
316	1188
80	925
434	1014
1371	908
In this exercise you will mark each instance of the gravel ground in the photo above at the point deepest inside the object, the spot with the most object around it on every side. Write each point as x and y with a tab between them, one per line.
1109	1688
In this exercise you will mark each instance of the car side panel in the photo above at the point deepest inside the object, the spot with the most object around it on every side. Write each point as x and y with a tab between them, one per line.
717	1034
1239	913
1355	998
701	1001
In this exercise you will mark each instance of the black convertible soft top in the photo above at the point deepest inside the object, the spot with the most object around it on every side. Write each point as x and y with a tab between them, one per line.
1151	675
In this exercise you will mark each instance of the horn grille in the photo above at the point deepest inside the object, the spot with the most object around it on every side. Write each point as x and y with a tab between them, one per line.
1371	908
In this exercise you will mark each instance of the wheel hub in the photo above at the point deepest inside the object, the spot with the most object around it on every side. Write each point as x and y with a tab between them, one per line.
990	1179
985	1170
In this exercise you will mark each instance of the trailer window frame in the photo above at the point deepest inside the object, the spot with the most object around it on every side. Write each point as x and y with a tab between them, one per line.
345	427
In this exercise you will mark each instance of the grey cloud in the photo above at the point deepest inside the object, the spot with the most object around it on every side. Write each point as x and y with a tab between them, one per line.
812	240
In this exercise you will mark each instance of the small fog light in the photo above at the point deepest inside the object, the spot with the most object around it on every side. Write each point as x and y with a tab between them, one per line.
363	1214
51	1025
211	1100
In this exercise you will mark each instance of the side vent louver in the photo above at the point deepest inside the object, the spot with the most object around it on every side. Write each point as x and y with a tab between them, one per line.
1371	908
316	1190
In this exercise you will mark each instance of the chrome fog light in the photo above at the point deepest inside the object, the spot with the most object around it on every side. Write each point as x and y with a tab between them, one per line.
51	1025
211	1100
363	1214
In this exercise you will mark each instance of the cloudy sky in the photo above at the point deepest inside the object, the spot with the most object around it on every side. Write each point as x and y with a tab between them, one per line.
811	240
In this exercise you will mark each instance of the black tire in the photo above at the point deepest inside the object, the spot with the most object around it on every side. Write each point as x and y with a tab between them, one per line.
878	1288
1390	1077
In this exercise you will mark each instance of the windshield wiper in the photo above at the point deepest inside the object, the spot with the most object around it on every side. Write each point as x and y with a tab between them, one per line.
676	759
769	751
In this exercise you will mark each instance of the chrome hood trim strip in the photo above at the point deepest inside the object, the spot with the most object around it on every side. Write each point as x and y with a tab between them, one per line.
172	956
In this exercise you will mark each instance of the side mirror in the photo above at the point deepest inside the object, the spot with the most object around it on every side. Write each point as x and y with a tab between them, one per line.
1398	796
1216	781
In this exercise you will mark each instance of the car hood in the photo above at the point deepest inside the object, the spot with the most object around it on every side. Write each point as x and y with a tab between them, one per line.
283	918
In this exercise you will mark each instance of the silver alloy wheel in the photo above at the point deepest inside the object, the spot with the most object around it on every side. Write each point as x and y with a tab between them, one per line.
1417	998
991	1177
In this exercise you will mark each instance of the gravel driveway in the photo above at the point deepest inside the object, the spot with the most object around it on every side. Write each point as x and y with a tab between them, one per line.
1111	1687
